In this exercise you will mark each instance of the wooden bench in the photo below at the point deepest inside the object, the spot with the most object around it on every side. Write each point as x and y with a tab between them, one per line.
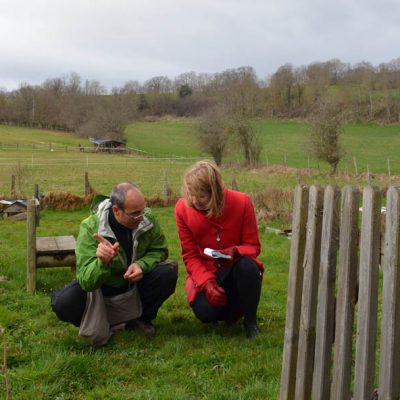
45	252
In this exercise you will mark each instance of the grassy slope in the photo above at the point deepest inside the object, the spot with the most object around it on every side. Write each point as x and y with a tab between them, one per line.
28	136
371	144
164	138
64	171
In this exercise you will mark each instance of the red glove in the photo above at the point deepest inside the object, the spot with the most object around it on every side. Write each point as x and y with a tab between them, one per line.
229	251
215	294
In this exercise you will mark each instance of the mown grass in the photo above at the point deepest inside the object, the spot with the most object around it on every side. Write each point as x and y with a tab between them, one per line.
285	145
284	142
187	360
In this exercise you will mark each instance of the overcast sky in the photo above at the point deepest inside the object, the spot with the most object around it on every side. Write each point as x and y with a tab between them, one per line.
114	41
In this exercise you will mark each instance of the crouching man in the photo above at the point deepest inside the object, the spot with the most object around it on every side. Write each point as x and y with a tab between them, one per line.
122	275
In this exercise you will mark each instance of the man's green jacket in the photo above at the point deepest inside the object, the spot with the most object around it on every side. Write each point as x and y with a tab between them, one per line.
149	248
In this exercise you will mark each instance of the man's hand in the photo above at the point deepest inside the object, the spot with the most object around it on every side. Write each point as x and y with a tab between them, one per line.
215	294
105	250
134	273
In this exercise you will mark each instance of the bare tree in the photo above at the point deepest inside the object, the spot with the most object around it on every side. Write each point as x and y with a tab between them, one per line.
109	119
326	128
248	137
213	133
158	84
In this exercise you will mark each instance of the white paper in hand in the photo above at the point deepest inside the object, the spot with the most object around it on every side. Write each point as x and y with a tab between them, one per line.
215	254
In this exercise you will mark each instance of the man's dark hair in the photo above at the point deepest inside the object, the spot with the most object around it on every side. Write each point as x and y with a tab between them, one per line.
118	193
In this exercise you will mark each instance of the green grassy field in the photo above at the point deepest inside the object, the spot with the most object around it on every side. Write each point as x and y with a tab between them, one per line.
283	142
187	360
63	169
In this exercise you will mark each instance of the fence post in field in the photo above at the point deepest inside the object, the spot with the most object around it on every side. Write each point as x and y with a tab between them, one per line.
368	294
234	185
389	382
87	184
13	191
388	166
31	246
295	287
346	294
166	189
355	164
326	294
305	358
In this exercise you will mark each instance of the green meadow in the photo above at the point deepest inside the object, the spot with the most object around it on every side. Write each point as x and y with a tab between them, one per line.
52	160
187	360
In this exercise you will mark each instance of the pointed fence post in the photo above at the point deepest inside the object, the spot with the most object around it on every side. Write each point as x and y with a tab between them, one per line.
368	294
326	295
305	358
31	246
346	296
389	382
295	287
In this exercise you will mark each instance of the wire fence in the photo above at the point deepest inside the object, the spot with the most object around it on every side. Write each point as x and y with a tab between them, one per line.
128	151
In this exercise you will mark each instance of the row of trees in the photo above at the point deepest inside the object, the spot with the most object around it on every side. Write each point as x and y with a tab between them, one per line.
325	93
364	91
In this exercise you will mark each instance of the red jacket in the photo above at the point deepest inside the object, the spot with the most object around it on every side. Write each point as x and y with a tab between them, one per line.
237	226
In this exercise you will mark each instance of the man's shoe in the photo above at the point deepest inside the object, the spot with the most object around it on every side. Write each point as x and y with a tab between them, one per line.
118	328
146	327
251	330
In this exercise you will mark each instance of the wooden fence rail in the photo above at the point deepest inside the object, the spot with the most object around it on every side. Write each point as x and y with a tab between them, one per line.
333	276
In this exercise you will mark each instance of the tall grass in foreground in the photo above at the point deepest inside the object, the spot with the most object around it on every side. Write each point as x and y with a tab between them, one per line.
187	360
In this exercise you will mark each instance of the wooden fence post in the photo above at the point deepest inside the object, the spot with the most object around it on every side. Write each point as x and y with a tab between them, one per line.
355	164
166	189
234	185
326	295
389	382
368	294
348	265
13	191
305	358
308	341
31	246
87	184
295	286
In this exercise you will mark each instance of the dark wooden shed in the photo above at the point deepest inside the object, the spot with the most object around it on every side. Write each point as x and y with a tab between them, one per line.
109	146
15	208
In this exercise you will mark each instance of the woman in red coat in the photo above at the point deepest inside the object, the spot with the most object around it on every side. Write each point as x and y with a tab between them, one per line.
210	216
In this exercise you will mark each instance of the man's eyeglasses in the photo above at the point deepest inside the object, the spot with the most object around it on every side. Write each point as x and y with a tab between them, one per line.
137	215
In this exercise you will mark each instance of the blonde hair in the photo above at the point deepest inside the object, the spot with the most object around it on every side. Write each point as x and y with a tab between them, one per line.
202	178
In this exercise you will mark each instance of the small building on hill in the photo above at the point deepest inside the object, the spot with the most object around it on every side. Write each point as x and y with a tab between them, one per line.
109	146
